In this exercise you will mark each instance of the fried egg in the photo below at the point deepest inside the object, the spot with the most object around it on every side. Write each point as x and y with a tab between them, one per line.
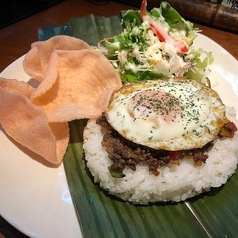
169	114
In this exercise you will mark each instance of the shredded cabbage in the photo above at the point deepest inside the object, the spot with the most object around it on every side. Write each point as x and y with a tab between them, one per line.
138	54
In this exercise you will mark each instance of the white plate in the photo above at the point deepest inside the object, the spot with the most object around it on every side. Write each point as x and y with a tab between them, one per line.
35	198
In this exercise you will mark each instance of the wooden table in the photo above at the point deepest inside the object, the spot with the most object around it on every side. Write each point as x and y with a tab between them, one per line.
15	39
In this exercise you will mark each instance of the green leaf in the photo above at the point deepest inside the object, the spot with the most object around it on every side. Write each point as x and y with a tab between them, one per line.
173	18
212	214
102	215
129	76
89	28
218	209
132	17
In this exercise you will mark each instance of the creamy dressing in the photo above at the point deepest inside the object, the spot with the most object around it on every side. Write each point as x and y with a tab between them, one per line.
161	33
160	57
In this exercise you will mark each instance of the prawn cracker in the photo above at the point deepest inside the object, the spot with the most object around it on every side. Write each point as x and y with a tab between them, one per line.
27	123
84	81
36	60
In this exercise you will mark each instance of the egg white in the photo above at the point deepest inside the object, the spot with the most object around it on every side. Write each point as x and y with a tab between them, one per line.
142	112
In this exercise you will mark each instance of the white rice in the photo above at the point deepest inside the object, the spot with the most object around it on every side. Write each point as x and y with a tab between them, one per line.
175	182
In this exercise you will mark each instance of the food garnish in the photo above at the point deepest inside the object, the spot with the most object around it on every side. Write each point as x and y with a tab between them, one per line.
156	44
228	130
160	32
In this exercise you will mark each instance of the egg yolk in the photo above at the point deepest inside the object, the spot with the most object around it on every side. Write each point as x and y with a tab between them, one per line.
154	106
168	114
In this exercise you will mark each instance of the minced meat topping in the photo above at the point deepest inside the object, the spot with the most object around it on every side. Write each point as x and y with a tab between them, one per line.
124	153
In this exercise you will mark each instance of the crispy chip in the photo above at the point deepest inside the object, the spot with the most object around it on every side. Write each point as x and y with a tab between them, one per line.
84	82
37	59
13	85
27	124
75	82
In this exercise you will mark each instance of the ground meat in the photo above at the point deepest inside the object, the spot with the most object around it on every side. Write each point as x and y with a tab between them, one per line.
199	157
126	153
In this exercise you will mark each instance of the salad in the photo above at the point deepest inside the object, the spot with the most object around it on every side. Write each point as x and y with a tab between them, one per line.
157	44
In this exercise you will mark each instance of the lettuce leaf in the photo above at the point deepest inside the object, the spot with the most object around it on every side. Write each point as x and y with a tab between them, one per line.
130	46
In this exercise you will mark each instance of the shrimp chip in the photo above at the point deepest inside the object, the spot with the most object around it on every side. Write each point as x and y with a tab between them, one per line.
13	85
74	82
27	123
37	59
84	82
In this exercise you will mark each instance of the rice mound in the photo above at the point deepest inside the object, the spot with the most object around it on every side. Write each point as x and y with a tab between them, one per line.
175	182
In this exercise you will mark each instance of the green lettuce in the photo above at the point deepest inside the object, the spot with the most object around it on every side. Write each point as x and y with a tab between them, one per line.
135	37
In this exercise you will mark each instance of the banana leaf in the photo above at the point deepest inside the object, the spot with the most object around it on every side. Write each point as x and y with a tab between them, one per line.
212	214
102	215
89	28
